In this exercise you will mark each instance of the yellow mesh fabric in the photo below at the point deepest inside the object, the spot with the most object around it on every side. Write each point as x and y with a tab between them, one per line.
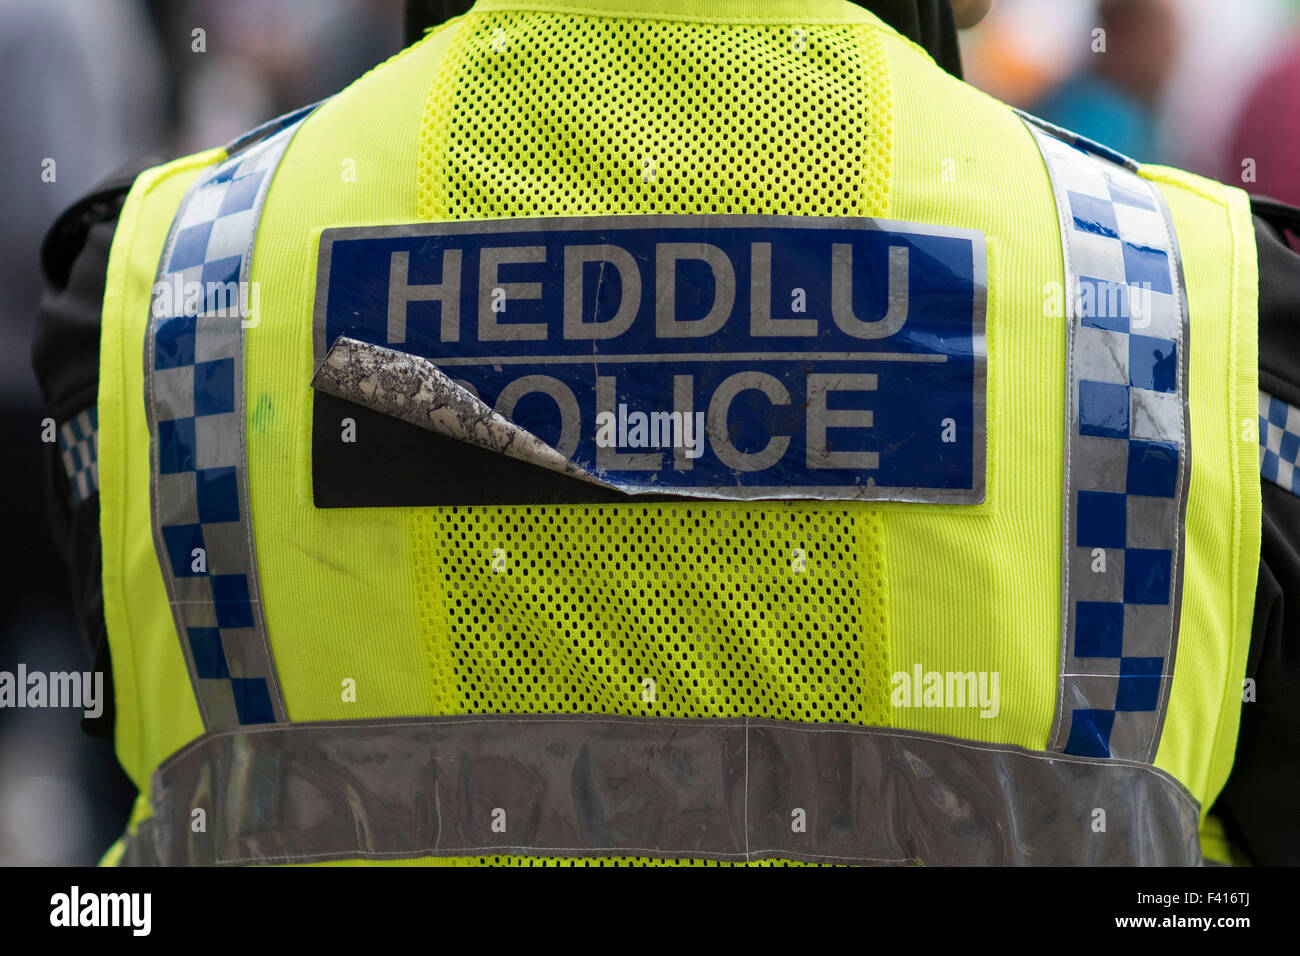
546	114
477	861
664	610
679	610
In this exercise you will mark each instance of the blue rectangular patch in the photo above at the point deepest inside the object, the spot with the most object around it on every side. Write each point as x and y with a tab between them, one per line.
710	356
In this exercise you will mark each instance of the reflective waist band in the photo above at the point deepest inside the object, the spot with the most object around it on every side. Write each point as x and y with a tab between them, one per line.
732	790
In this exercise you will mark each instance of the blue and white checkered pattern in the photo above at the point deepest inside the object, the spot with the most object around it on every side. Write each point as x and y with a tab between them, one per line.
79	449
194	369
1279	443
1127	451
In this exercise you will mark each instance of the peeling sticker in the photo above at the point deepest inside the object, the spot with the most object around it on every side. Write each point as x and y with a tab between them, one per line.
413	389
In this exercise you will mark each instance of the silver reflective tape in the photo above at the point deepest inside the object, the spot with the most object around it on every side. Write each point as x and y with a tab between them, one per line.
583	786
194	398
1128	450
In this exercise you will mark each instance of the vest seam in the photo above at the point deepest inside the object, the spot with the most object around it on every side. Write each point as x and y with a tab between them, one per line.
1231	403
1234	329
851	16
119	446
430	121
1059	204
877	66
564	852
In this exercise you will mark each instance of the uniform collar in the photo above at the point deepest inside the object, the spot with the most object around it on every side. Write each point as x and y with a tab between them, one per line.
928	23
713	11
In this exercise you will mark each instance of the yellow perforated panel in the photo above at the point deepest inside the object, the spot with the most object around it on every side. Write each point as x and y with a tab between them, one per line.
545	114
773	610
680	610
598	861
481	861
666	610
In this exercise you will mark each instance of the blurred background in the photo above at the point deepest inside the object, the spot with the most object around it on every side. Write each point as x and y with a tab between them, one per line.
1207	85
93	84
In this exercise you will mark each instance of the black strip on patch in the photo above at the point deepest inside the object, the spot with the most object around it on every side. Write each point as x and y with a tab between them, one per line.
392	464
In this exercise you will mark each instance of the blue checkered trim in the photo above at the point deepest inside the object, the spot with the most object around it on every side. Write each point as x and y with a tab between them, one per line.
1279	443
195	388
1127	451
79	449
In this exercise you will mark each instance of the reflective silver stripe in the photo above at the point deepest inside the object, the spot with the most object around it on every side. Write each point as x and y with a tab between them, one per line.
194	399
733	790
1128	450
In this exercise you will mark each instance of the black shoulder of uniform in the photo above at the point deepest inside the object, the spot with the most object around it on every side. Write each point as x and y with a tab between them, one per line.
67	236
1258	803
1279	298
65	356
74	261
1278	214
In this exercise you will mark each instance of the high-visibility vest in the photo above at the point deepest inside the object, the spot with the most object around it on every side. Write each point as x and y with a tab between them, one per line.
959	570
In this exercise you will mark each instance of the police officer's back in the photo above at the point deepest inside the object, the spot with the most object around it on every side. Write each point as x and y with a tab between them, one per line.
621	413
